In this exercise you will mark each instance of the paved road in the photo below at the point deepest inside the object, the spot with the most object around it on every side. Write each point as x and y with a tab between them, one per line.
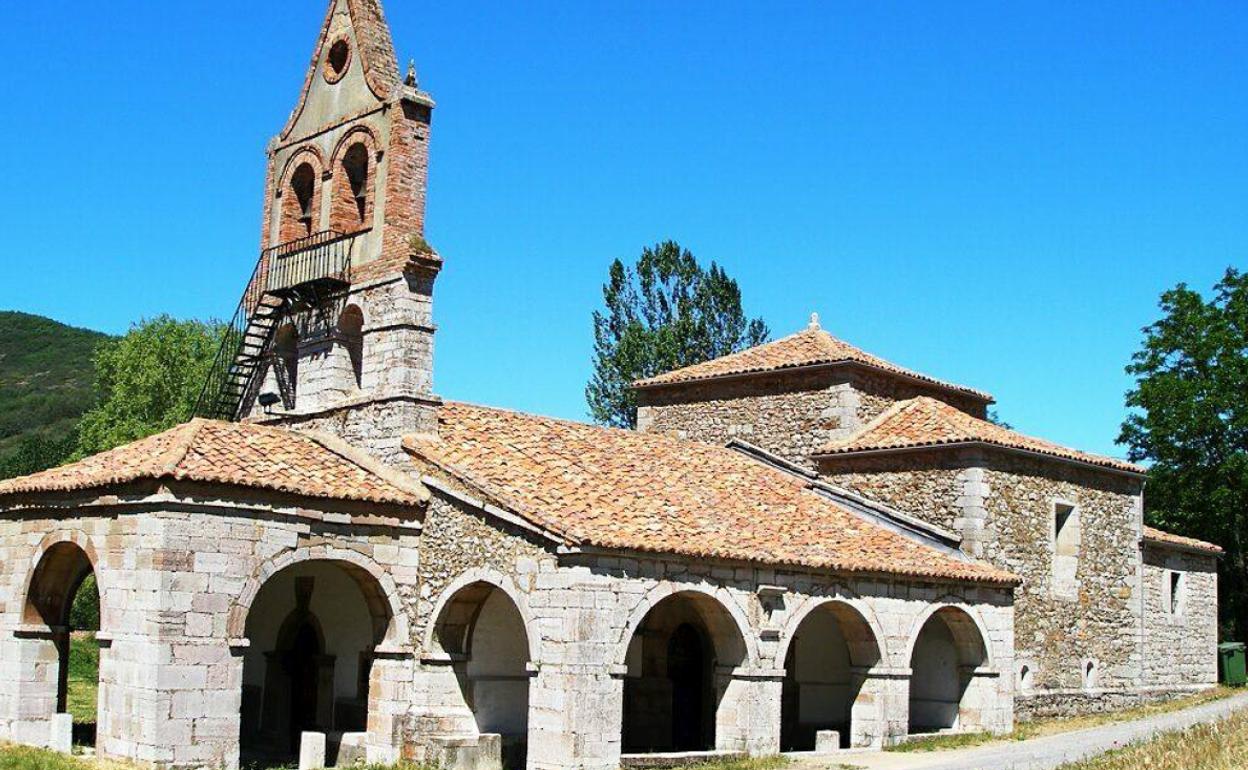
1037	753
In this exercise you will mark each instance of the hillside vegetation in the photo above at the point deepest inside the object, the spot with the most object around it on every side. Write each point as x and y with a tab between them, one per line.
45	385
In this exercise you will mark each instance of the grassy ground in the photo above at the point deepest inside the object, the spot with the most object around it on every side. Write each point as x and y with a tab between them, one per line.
1219	745
1040	727
84	676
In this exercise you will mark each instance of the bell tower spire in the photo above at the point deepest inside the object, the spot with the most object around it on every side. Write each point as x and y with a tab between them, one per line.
335	328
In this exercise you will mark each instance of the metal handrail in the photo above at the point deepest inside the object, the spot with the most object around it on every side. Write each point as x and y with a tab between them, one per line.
280	268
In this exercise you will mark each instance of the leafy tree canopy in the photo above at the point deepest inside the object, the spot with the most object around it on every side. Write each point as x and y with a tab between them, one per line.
663	314
147	381
1191	422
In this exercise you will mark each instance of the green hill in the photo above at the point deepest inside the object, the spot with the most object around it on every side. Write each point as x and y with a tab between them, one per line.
45	383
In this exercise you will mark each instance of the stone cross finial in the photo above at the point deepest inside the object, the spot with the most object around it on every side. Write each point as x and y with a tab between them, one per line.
814	322
411	73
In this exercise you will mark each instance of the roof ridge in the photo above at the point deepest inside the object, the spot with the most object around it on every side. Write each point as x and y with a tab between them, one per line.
875	422
367	462
168	461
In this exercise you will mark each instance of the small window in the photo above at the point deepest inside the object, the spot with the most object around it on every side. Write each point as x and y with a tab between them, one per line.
1089	674
1066	542
1024	678
1174	591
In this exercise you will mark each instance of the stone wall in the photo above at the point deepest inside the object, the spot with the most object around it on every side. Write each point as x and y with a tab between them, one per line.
1081	622
394	396
175	583
792	414
1180	631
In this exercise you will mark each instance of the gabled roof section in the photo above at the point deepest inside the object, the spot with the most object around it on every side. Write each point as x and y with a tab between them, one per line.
601	487
810	347
234	454
374	46
1162	537
926	422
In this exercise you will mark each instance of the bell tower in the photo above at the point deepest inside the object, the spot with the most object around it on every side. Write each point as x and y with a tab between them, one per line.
335	331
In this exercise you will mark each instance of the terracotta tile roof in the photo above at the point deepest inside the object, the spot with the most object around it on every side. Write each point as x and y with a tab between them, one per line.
927	422
236	454
809	347
1168	538
610	488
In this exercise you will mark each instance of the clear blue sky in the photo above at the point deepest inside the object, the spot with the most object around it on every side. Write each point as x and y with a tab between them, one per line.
993	193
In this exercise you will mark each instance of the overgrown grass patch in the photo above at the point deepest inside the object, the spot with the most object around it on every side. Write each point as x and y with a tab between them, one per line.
82	691
1040	727
1221	745
27	758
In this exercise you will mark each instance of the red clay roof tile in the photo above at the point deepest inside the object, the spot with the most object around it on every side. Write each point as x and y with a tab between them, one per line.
237	454
809	347
926	422
612	488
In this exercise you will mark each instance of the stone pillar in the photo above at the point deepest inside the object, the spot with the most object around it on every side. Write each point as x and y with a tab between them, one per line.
576	717
971	504
749	713
985	707
886	696
28	678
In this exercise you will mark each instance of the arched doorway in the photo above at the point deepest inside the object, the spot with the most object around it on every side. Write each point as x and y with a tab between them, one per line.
825	667
312	631
64	601
947	651
482	632
678	663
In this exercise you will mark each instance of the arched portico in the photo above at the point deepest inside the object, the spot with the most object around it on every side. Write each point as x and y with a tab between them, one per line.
828	651
948	651
679	690
480	635
312	630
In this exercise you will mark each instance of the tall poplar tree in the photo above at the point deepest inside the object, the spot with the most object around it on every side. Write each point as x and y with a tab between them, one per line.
664	313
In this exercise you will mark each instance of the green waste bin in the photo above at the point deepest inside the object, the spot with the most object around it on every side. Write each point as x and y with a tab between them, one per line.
1231	663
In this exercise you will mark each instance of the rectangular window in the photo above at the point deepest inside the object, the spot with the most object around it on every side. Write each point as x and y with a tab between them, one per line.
1066	537
1174	591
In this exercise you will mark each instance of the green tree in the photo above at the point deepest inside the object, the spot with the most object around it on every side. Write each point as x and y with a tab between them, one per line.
147	381
665	313
1191	423
36	452
84	611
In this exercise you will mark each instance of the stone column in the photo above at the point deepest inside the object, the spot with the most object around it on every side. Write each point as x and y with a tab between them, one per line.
576	717
748	717
28	680
885	698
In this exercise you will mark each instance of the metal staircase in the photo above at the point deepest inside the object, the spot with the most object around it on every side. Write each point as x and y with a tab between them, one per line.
288	278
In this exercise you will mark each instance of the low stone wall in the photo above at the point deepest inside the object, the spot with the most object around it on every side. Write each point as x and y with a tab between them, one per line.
1075	703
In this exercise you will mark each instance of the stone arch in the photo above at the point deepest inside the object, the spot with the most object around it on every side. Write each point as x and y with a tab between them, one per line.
949	652
720	596
827	650
683	652
851	602
62	561
319	630
479	642
500	581
970	614
31	615
382	595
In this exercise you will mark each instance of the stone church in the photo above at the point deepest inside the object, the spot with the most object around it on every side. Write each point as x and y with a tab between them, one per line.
803	546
